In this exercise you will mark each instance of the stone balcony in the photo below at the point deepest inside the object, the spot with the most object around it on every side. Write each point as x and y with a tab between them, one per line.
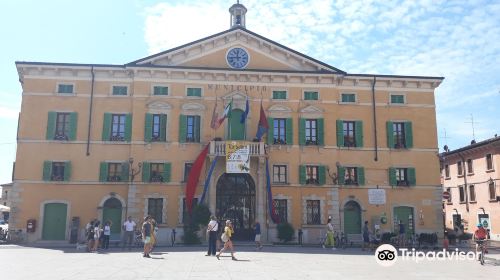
218	148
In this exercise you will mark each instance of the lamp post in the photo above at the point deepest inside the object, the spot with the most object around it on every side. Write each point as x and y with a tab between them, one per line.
132	172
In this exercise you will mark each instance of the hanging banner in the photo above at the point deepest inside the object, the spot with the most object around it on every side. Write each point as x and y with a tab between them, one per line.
237	157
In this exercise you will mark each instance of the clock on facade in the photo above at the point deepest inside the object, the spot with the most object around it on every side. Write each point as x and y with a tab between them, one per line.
237	58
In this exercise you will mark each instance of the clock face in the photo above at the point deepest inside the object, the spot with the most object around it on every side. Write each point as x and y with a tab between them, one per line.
237	58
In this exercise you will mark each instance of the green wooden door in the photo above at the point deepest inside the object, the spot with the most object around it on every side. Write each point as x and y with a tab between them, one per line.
405	215
112	211
236	128
54	221
352	218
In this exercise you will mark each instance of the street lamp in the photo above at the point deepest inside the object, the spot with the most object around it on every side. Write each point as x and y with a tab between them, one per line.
482	208
456	211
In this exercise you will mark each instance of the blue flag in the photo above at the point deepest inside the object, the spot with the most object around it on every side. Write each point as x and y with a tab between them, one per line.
245	114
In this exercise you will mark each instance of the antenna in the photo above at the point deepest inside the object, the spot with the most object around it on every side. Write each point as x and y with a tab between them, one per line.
445	137
472	123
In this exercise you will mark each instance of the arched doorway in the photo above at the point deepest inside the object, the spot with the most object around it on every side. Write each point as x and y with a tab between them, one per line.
54	221
236	202
112	211
236	128
352	218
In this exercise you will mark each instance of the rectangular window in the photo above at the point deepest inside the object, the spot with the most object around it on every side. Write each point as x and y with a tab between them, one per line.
492	191
313	212
402	177
156	131
349	134
447	171
279	131
160	90
187	169
489	162
192	129
399	135
64	88
459	168
461	191
156	173
120	90
348	98
397	99
351	176
155	209
449	199
310	95
281	208
62	126
184	208
311	132
279	174
470	169
279	94
312	174
115	172
193	92
118	127
472	193
57	171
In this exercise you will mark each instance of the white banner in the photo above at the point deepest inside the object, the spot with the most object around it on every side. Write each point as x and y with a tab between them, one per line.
376	196
237	157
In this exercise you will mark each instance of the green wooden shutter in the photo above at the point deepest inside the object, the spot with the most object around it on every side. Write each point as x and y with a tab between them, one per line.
167	167
390	135
321	132
163	128
47	170
146	171
197	128
340	133
106	126
148	127
67	171
322	174
51	125
412	176
103	172
128	127
182	128
302	174
73	122
392	176
341	175
358	127
408	135
125	172
302	132
289	131
361	176
270	131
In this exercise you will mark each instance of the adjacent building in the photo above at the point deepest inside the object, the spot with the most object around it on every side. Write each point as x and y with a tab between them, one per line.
471	177
108	141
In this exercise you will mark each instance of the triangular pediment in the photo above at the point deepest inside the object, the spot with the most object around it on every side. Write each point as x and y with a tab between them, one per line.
279	109
311	109
210	52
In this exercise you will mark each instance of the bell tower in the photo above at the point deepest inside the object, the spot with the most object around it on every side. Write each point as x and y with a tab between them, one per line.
237	12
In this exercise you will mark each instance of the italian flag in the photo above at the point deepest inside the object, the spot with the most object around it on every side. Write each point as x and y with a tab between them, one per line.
226	113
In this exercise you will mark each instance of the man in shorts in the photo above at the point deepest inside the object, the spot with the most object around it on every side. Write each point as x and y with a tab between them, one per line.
147	228
258	244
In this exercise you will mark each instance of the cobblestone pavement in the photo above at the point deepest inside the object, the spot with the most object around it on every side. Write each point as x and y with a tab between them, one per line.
191	263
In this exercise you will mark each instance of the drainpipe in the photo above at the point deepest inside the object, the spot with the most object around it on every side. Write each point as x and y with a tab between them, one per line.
374	117
464	170
90	109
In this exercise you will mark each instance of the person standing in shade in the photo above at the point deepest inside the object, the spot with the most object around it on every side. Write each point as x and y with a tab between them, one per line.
129	228
212	228
228	244
147	229
366	236
401	234
106	234
258	244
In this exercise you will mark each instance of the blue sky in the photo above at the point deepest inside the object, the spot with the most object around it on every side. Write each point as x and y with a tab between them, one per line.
459	40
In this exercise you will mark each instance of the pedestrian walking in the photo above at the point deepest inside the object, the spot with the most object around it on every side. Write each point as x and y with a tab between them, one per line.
226	238
129	228
97	235
154	231
258	244
146	236
366	237
329	242
212	228
90	236
106	234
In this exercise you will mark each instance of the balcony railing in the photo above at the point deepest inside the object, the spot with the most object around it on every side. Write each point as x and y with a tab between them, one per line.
218	148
